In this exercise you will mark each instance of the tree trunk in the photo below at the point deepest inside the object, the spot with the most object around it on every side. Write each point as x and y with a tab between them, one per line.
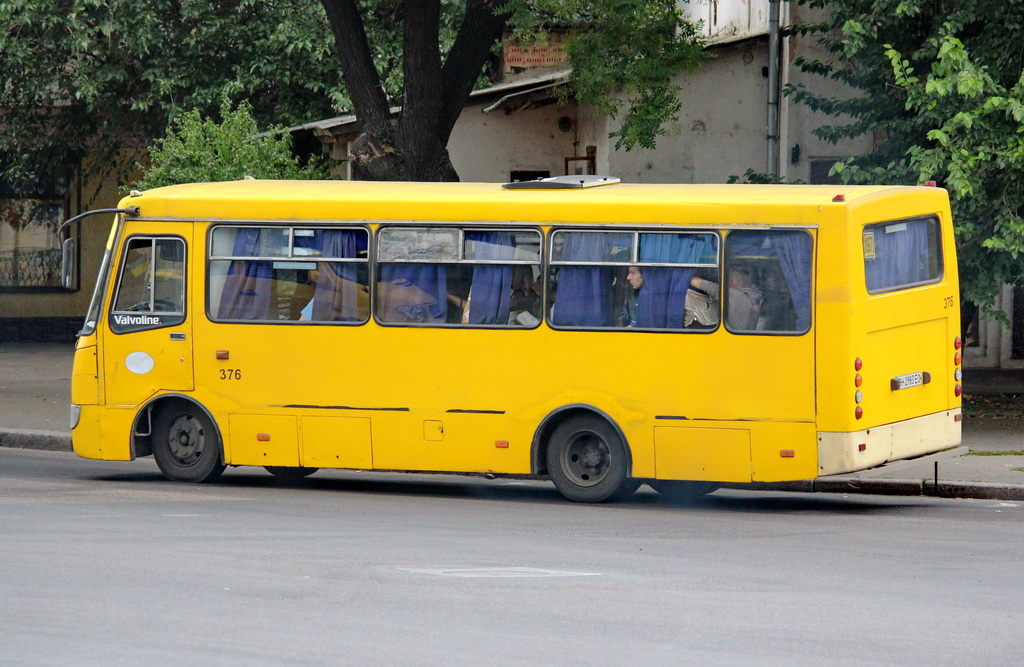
415	147
375	160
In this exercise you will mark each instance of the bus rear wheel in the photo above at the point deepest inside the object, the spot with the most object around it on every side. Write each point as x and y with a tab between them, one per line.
588	461
682	492
287	472
186	444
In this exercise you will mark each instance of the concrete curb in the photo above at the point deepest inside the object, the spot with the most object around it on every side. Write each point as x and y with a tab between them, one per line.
976	490
893	487
49	441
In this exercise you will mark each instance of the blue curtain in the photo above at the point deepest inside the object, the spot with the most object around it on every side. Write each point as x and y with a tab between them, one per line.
901	257
337	288
584	294
793	250
413	292
662	299
491	290
247	287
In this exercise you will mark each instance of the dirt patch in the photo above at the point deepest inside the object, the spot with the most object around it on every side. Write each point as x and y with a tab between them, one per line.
1004	412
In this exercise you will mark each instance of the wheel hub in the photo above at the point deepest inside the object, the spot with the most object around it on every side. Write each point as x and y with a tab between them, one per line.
587	459
187	439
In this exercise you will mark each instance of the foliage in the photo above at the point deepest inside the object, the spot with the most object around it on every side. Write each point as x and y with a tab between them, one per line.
632	46
762	178
84	77
197	150
943	96
96	76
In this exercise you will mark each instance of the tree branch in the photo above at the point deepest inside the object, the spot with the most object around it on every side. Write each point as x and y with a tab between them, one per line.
361	78
482	26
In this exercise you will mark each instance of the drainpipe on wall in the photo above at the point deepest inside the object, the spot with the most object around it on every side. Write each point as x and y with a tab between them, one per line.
773	87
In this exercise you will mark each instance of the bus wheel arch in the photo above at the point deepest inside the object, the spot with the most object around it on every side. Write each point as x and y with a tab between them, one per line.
184	439
585	453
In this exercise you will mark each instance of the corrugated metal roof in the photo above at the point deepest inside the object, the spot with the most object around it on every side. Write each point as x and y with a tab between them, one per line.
505	92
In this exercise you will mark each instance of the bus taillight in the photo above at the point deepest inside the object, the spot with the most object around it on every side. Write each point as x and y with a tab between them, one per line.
958	359
858	380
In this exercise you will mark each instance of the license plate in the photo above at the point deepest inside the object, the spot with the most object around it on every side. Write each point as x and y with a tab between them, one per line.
908	380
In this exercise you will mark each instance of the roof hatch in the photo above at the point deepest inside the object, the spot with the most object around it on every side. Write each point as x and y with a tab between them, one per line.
562	183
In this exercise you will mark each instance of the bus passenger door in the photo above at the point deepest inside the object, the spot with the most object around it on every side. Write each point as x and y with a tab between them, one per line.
148	347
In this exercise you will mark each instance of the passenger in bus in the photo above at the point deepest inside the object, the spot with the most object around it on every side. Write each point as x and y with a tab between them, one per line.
524	306
745	300
626	316
701	303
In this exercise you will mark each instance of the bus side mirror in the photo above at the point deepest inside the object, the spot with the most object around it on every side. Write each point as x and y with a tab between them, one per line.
67	263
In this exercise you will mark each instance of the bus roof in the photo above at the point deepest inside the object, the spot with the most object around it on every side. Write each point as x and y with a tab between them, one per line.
623	202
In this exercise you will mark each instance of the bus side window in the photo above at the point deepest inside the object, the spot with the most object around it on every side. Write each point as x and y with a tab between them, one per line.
286	273
634	279
448	275
769	281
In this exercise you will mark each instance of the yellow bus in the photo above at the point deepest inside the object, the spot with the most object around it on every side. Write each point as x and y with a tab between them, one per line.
600	334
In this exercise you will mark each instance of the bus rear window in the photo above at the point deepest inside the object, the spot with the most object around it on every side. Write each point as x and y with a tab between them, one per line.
902	254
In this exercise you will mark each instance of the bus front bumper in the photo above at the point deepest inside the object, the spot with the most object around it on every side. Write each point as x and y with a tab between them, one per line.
108	439
840	453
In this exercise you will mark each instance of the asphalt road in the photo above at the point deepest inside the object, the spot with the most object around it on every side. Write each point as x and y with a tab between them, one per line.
107	563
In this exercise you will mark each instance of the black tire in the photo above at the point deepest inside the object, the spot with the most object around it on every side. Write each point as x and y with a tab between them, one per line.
588	461
186	444
682	492
287	472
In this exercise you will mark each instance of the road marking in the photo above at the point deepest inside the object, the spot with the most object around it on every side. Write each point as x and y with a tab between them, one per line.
494	572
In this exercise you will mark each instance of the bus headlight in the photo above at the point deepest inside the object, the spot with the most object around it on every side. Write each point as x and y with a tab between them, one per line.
76	413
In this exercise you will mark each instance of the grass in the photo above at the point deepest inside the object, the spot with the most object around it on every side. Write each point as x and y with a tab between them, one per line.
1019	452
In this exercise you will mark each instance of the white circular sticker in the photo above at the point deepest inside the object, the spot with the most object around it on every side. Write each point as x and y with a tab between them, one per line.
139	363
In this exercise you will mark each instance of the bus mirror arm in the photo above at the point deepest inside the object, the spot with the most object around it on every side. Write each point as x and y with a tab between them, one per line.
67	246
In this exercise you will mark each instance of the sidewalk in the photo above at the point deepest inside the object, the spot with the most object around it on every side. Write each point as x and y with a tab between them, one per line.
35	388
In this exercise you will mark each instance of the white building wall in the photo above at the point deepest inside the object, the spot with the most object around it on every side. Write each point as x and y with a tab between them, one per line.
488	147
728	20
722	125
798	121
722	129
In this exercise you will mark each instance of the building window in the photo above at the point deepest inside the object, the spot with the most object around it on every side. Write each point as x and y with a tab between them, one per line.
30	213
820	169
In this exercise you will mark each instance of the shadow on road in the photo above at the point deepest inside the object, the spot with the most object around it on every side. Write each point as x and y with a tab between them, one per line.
418	486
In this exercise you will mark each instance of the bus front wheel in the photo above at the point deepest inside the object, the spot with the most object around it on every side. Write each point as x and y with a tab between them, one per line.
186	445
588	461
